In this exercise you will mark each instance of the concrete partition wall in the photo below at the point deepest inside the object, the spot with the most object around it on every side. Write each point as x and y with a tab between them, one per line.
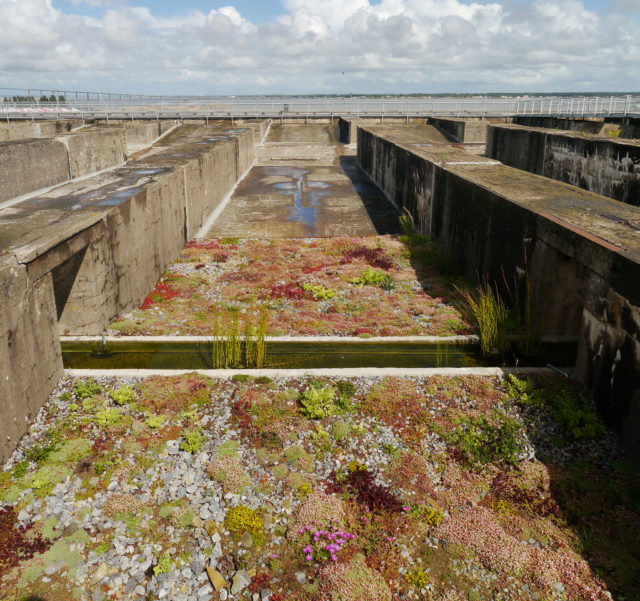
20	130
30	165
609	167
30	357
92	264
495	220
467	131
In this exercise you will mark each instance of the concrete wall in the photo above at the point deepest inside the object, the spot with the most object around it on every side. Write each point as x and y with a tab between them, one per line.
495	220
609	167
20	130
102	263
627	127
30	165
461	130
30	357
94	150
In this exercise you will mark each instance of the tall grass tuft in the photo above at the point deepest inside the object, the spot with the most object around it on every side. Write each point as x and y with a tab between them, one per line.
488	311
228	344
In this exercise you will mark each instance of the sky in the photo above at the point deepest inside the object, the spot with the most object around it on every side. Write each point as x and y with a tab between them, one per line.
238	47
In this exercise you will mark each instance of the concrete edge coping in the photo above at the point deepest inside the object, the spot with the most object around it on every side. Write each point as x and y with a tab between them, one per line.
378	339
462	339
353	372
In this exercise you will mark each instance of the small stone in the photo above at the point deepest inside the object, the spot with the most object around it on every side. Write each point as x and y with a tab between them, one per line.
240	581
205	590
101	572
558	587
265	594
301	577
223	594
246	540
131	585
211	527
139	590
217	551
217	579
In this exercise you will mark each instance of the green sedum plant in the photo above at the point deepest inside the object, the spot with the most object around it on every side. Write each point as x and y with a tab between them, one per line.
192	441
496	438
375	277
318	291
123	396
318	402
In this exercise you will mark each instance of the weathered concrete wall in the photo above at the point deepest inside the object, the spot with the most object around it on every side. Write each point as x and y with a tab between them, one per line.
90	264
30	165
21	130
609	167
128	250
495	220
627	127
94	150
30	357
461	130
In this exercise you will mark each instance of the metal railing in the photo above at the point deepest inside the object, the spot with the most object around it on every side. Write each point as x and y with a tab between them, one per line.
197	108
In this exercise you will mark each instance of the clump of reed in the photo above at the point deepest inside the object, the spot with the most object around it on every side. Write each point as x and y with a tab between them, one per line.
230	349
487	310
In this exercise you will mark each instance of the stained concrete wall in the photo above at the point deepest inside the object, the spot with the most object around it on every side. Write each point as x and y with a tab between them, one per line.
20	130
627	127
495	220
609	167
461	130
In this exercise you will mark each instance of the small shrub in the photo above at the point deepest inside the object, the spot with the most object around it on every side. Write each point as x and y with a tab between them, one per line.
487	439
123	396
318	402
192	441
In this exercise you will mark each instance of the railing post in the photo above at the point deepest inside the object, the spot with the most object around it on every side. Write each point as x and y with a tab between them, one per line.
610	105
626	104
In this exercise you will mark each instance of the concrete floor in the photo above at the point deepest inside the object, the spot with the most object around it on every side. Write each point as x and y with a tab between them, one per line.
306	184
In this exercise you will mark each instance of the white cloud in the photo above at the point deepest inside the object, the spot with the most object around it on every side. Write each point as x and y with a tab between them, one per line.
394	45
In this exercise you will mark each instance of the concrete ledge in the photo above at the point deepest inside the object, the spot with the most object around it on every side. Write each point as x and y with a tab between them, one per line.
360	372
606	166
